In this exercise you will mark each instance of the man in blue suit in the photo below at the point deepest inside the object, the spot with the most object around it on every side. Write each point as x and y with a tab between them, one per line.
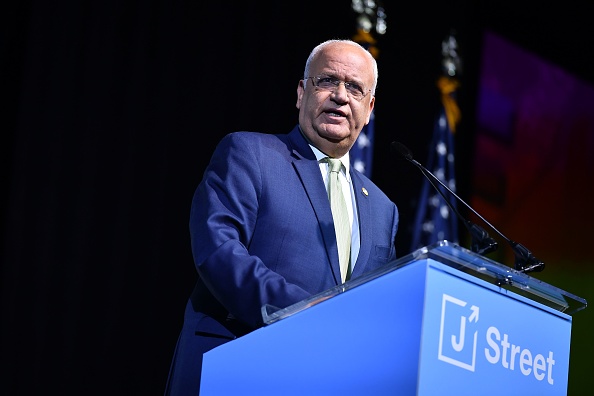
261	224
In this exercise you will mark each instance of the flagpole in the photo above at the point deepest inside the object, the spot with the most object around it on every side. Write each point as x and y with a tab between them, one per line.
371	18
434	220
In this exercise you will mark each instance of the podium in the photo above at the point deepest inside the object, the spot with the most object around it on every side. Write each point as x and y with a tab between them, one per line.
440	321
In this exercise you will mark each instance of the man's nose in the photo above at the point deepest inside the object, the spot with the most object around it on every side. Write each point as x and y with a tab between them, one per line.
340	91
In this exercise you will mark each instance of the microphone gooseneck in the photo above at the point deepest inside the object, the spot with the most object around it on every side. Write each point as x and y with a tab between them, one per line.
482	243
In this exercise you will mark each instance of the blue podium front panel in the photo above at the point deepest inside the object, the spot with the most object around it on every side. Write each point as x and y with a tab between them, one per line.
421	329
478	339
362	342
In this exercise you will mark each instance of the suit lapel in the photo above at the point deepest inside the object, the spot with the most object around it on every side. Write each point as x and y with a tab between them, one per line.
307	167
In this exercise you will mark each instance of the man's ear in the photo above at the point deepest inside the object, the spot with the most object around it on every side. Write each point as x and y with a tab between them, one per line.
300	92
371	106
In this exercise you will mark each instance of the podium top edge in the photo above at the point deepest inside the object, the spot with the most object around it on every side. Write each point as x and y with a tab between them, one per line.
457	257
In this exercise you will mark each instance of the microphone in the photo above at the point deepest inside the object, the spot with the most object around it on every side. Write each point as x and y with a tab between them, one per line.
482	243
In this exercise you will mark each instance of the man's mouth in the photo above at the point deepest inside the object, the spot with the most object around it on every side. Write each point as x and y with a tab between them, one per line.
335	113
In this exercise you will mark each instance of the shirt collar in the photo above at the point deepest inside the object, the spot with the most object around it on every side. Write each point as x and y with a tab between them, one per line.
345	159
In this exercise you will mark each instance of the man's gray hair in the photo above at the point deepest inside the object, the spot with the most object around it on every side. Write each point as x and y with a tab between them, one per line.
321	46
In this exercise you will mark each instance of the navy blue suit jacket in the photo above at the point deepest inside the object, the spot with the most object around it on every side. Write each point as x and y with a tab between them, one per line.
262	233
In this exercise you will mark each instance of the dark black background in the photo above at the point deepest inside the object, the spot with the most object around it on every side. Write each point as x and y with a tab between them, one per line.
110	112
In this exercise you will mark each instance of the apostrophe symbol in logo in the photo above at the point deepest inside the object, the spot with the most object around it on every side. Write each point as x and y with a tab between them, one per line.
456	319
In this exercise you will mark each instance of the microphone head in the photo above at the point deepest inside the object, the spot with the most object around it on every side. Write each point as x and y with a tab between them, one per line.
402	150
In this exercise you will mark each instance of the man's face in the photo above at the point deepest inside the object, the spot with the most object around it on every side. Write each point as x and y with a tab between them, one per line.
333	119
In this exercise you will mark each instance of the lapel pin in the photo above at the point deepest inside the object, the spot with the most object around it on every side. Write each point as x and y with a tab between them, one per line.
364	191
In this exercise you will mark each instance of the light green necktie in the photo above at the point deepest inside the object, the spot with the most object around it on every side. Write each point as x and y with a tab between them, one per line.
341	218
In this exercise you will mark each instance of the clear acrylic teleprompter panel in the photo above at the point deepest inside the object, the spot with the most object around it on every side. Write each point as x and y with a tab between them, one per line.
461	259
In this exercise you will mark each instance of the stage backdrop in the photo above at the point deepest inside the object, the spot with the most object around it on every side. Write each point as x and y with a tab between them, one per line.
532	174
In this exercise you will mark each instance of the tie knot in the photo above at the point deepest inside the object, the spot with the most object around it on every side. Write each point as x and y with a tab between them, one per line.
335	164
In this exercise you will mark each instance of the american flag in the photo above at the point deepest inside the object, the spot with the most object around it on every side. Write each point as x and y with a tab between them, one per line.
361	153
434	220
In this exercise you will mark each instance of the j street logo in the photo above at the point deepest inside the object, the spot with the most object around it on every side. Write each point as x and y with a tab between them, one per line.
458	333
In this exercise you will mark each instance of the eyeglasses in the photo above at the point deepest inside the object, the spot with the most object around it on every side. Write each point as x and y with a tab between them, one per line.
328	83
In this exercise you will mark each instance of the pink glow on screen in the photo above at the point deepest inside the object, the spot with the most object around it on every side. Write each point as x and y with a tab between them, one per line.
533	166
